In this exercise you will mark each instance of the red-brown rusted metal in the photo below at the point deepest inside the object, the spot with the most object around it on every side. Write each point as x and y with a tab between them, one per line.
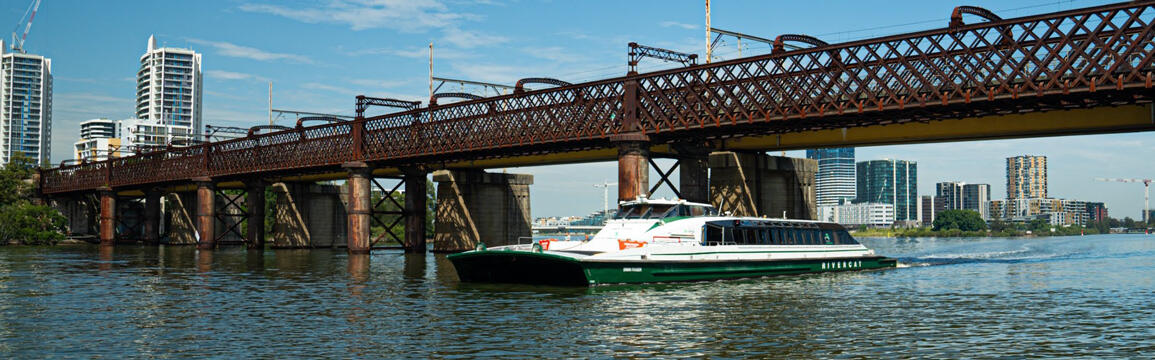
1098	56
206	219
359	213
107	217
633	170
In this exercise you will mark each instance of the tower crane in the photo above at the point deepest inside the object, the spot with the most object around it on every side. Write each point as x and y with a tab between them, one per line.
18	43
1146	191
605	185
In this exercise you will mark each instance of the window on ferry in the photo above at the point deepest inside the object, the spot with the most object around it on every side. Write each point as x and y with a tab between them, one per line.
813	236
713	235
790	236
764	236
828	237
844	238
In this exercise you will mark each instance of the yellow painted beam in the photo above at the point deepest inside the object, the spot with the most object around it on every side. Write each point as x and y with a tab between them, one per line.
1129	118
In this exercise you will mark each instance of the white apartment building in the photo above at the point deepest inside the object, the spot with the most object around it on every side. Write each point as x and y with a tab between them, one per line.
869	214
128	137
25	105
168	87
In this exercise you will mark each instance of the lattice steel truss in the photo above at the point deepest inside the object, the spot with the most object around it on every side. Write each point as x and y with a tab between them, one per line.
1097	56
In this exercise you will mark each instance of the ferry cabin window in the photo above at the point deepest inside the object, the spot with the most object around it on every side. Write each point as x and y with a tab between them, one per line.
844	238
713	235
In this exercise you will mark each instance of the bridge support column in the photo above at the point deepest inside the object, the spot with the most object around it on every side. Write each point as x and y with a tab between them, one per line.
206	214
474	207
694	172
359	212
107	216
756	184
415	205
151	235
308	215
255	202
633	169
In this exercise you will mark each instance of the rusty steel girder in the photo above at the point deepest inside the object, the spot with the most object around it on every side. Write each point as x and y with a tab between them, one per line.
1087	57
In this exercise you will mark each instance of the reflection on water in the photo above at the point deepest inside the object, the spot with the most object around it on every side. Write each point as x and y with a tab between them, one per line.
1076	296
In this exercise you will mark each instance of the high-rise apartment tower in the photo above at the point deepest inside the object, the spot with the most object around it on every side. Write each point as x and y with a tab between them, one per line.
168	87
1027	177
834	183
25	105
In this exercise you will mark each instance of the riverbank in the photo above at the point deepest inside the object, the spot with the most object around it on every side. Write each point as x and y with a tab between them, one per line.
926	232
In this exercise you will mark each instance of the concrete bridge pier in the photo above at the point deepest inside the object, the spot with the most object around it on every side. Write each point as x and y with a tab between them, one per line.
206	214
308	215
107	216
415	218
756	184
474	206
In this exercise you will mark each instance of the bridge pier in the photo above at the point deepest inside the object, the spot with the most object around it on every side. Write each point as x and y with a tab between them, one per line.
474	207
151	231
694	172
206	214
359	212
308	215
255	202
415	218
633	169
756	184
107	216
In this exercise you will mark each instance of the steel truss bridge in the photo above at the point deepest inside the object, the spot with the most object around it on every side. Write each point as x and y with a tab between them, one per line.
1079	71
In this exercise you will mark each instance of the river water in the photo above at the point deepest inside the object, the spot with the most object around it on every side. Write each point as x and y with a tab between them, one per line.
1091	296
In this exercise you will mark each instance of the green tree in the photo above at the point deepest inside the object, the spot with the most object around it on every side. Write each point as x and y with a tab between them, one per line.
20	220
963	220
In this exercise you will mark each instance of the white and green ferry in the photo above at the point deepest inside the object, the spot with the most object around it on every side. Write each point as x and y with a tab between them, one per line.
673	240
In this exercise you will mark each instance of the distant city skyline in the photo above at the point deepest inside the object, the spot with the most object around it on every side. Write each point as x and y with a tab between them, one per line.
321	55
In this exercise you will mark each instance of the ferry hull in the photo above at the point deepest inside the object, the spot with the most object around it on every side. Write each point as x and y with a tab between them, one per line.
525	267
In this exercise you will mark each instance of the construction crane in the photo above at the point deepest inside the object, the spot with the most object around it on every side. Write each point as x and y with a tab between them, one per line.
18	42
605	185
1146	191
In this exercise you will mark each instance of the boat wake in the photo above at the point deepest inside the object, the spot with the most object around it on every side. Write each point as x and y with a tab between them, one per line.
1024	254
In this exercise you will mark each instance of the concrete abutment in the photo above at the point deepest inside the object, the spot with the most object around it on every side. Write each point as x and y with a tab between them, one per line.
474	207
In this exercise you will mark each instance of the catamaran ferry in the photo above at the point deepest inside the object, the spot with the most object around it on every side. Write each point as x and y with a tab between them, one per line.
652	240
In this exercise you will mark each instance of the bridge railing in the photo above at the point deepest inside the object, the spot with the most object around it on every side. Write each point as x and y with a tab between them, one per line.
1072	51
569	113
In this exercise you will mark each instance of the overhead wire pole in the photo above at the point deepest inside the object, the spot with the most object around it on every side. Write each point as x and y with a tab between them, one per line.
709	45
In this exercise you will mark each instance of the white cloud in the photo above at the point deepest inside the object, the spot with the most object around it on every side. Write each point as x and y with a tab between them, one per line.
402	15
678	24
229	75
471	39
378	83
246	52
421	52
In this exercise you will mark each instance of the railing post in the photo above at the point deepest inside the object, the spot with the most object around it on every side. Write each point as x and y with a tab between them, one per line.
358	135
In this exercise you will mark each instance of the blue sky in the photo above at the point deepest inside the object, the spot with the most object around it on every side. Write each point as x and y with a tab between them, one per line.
320	54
